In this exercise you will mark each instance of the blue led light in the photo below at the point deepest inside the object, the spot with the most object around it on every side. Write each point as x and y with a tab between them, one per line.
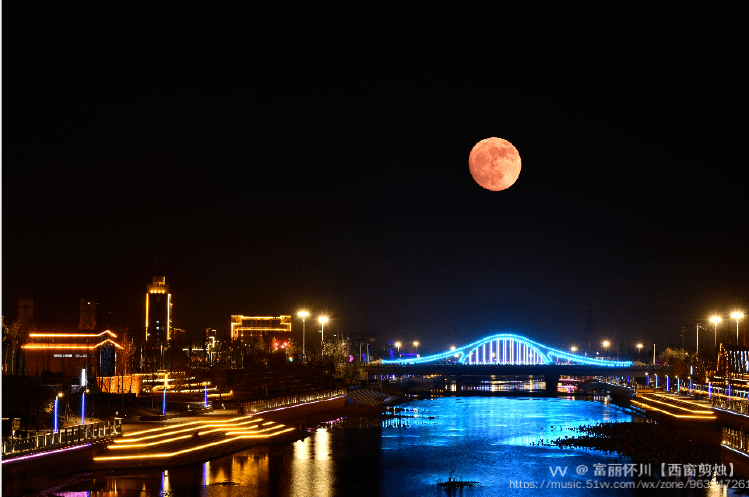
540	354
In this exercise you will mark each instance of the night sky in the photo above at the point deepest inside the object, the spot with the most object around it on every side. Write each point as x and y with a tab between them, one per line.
272	171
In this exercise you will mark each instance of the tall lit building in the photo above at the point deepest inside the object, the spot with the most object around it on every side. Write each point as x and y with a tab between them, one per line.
158	310
26	314
87	319
268	327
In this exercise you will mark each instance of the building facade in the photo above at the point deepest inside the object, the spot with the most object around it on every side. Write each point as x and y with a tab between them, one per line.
267	327
158	310
68	352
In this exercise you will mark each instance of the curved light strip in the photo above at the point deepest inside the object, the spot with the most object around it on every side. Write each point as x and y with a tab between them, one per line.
547	354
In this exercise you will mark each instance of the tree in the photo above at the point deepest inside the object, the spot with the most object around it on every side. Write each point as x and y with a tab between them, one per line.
677	359
124	360
12	339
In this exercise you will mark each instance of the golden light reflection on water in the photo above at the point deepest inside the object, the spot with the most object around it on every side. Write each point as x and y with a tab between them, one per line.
312	469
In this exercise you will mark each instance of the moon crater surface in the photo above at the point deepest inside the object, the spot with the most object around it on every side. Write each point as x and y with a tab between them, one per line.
494	164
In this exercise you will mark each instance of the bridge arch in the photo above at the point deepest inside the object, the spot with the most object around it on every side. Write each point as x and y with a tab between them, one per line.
504	348
510	349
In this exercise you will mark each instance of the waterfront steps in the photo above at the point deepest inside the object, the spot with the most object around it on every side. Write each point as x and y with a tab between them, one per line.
669	406
369	397
191	442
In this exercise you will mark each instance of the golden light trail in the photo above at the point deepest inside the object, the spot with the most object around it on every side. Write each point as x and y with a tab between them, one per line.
68	346
189	449
55	335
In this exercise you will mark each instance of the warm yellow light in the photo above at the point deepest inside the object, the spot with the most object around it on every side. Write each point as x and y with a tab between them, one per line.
606	343
573	348
715	319
323	319
52	335
416	344
452	348
63	346
303	314
639	345
737	315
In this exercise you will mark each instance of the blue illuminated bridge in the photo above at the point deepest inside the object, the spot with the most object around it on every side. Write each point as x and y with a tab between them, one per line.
507	354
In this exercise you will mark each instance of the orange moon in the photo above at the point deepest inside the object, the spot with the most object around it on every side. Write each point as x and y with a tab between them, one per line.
494	164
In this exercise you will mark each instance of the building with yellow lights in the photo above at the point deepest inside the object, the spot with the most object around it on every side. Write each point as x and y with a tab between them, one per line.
268	327
67	352
158	310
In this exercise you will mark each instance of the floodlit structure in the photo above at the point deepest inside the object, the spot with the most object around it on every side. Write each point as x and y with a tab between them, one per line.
158	310
267	327
68	352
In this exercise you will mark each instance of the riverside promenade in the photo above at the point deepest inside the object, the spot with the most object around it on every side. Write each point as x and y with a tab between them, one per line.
187	440
168	442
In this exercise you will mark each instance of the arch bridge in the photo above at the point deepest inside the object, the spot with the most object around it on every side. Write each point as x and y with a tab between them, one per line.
510	355
508	349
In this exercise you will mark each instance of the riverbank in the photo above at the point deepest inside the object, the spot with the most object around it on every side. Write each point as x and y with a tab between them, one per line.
671	443
291	416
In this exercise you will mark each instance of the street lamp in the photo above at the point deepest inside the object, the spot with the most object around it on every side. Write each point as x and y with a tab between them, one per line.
56	416
83	407
716	320
398	345
323	320
606	345
303	315
573	349
416	346
737	315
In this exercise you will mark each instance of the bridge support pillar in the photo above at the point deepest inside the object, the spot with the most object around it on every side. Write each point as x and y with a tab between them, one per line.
552	384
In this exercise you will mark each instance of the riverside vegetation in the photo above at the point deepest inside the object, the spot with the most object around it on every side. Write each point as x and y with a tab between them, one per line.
695	443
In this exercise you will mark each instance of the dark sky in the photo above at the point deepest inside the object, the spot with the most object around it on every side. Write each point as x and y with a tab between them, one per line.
273	170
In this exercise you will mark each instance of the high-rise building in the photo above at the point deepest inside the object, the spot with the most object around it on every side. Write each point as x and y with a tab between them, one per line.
87	319
158	310
268	327
26	314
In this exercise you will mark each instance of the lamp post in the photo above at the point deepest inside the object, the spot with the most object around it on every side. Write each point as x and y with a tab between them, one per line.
398	346
56	415
323	320
303	315
163	405
639	351
606	346
716	320
416	346
737	315
83	407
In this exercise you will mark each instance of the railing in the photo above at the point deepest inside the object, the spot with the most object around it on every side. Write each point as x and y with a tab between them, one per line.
736	439
263	405
740	406
71	435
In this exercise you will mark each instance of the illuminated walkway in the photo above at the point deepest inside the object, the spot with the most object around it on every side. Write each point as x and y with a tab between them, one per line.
192	441
669	406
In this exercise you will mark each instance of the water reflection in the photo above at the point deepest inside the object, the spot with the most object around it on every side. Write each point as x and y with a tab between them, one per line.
493	440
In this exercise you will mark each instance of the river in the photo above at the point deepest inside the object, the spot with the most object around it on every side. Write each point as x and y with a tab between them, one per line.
496	441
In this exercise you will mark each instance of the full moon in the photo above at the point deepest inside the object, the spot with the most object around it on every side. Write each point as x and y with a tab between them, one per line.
494	164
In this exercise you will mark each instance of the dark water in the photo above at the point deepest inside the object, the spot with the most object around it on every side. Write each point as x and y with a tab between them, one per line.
491	440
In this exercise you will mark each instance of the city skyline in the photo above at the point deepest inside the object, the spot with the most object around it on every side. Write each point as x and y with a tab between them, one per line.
331	174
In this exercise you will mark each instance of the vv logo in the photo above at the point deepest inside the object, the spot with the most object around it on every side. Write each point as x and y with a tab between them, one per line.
558	471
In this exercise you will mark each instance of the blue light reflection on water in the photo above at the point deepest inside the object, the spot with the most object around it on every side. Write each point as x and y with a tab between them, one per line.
497	441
